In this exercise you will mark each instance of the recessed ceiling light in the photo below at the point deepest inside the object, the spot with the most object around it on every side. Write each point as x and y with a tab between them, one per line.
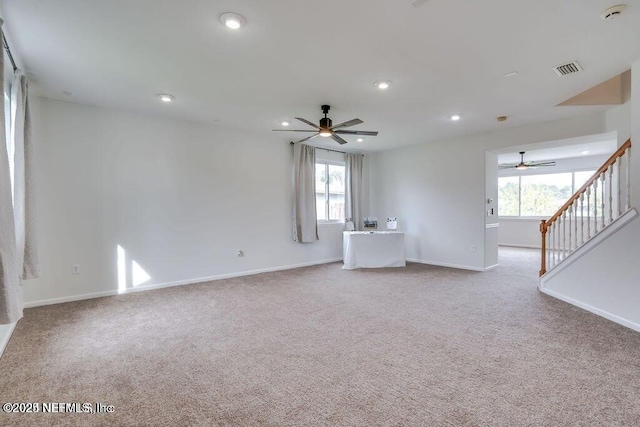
285	123
382	84
360	139
233	20
585	152
165	97
455	117
511	74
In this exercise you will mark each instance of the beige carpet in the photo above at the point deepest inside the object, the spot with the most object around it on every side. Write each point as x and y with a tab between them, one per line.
322	346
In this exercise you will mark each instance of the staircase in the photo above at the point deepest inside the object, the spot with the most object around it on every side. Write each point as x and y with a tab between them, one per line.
599	204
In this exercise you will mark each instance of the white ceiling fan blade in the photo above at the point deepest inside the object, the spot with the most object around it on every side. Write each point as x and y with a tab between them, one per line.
308	122
338	139
348	124
307	138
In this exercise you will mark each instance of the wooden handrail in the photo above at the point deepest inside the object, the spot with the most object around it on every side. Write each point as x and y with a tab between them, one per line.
619	153
544	226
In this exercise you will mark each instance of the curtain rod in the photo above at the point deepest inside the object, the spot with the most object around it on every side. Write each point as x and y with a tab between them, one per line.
6	47
327	149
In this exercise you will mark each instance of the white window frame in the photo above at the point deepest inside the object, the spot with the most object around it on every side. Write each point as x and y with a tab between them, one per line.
519	176
326	164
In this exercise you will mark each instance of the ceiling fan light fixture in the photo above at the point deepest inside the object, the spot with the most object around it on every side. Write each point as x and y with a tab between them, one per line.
522	167
382	84
325	133
233	20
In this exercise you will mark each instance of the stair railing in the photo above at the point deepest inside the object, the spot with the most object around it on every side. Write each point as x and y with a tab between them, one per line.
602	199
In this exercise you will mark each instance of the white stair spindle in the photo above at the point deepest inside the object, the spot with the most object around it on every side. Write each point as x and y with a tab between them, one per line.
604	198
610	194
595	207
559	239
557	226
575	224
552	246
570	213
564	234
588	212
548	254
619	162
628	179
582	219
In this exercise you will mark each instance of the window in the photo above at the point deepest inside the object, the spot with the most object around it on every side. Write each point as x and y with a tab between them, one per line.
330	184
537	195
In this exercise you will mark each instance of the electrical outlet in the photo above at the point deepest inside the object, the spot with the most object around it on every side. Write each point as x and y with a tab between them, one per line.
75	269
474	248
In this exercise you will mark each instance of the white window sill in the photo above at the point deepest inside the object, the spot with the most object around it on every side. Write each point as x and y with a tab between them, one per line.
523	218
330	223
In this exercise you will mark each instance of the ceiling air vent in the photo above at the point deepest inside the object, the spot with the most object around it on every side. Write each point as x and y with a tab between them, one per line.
570	68
613	12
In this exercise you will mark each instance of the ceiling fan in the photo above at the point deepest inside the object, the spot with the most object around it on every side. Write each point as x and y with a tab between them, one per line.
526	165
327	130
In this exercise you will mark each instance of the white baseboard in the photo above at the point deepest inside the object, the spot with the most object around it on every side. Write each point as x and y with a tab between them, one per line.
443	264
6	338
594	310
71	298
491	267
518	245
176	283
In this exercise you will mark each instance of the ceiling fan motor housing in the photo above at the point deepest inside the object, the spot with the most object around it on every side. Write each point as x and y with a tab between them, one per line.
326	123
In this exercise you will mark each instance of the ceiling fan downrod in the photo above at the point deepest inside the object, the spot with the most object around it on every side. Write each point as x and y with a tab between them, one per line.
326	122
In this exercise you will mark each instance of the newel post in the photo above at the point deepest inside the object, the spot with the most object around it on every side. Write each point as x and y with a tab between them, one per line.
543	258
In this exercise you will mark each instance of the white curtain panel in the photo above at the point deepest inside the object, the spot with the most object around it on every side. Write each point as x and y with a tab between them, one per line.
24	186
305	224
10	298
353	191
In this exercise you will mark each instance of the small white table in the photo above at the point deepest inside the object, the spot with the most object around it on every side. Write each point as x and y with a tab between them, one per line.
373	249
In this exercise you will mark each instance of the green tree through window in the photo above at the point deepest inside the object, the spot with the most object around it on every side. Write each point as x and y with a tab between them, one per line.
537	195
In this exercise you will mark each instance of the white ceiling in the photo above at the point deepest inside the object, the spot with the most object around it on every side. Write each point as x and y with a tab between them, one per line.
443	57
597	148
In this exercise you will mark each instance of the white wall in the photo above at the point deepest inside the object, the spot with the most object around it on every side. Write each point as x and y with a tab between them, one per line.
179	198
605	279
491	210
437	189
521	232
635	133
